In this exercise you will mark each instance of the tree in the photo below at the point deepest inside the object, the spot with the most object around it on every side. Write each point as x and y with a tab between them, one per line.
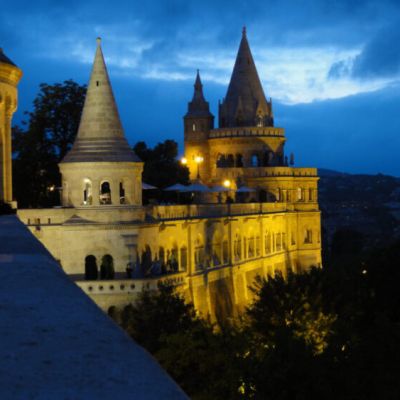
204	362
161	167
49	134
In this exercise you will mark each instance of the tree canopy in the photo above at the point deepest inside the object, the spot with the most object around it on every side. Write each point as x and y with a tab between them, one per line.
161	166
43	141
329	333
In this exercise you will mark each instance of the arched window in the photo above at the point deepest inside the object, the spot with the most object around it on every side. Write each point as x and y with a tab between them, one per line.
278	239
239	161
194	127
258	246
259	120
251	247
268	247
184	258
216	250
300	194
225	251
237	247
173	260
221	161
107	267
199	254
87	191
146	261
230	161
91	272
121	193
105	193
308	236
255	161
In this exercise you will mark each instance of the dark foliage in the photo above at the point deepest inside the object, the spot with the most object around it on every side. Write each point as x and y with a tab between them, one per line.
330	333
41	145
161	167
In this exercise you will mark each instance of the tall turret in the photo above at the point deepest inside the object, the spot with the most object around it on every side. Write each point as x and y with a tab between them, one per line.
100	168
245	103
10	75
198	122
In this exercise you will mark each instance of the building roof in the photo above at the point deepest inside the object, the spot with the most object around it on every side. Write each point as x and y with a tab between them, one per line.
245	98
198	107
4	59
100	135
55	342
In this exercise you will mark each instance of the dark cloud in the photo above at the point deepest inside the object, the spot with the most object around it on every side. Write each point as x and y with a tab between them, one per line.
40	37
379	58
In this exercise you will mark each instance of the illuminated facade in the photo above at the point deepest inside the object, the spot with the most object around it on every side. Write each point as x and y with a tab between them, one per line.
113	246
10	75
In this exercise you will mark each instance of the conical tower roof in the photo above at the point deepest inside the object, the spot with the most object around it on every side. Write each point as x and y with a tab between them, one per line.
244	90
198	107
100	135
4	59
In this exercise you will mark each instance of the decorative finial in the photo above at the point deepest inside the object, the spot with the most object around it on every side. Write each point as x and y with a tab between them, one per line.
98	40
244	30
198	71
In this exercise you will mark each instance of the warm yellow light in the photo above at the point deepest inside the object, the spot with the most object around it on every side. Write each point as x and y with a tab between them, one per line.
184	160
52	188
227	183
198	159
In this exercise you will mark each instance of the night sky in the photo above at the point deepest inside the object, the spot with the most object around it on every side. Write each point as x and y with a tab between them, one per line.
332	68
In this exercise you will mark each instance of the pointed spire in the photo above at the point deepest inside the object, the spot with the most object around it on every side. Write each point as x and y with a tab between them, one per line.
198	89
100	135
245	84
4	59
198	106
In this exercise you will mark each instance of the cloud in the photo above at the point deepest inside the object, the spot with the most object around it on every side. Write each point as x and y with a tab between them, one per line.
379	58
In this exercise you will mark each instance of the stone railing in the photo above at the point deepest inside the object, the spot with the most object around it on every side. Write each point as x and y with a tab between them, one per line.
247	131
170	212
129	286
256	172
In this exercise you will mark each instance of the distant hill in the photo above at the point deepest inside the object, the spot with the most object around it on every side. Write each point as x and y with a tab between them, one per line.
362	203
330	172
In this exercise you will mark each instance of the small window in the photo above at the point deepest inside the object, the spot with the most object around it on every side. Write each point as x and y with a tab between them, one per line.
308	236
97	83
194	127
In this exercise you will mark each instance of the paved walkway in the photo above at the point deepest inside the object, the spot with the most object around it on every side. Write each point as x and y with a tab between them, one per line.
54	341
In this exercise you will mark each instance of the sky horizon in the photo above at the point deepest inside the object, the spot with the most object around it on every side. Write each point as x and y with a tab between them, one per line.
332	69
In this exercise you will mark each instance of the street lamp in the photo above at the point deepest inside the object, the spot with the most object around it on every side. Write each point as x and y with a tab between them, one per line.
183	160
198	160
227	183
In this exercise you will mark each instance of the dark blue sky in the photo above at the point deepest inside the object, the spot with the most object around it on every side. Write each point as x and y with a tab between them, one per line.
332	68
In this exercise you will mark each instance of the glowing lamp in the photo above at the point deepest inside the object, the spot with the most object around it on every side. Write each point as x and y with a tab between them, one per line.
198	159
227	183
184	160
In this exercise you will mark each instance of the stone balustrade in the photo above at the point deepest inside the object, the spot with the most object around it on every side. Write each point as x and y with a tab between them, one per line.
255	172
128	286
247	131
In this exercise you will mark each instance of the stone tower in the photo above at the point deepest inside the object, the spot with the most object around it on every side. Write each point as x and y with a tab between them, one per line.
101	168
245	103
198	122
10	75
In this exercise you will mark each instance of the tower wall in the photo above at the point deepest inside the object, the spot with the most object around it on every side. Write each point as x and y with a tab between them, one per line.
9	78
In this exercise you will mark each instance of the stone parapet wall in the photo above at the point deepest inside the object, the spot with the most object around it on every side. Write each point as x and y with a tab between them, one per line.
246	131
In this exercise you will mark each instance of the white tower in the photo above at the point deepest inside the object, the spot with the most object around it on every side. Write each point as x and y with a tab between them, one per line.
101	168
